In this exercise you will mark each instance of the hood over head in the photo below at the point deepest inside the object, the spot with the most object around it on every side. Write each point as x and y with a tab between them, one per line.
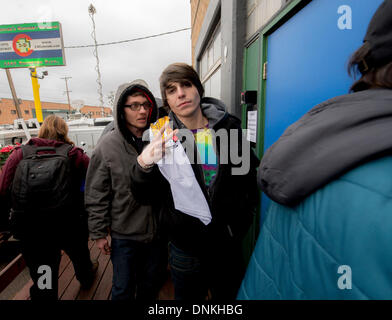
328	141
122	93
379	36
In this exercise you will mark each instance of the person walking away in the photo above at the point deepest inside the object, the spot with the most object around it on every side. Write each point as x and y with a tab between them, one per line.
44	180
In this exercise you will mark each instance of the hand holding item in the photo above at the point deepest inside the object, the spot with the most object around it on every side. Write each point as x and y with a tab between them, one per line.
157	148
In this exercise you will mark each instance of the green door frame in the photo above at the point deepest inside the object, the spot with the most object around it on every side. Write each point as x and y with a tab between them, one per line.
283	16
249	240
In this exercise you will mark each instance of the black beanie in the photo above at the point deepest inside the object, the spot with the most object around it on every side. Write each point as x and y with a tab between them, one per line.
379	36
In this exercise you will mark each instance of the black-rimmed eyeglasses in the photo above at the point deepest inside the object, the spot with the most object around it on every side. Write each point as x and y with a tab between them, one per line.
136	106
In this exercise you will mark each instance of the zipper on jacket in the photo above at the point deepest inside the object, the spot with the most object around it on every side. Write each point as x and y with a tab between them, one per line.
230	232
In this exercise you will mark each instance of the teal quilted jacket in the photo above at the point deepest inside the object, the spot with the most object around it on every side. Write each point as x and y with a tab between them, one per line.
336	244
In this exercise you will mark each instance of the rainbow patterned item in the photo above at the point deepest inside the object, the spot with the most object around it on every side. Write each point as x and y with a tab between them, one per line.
205	147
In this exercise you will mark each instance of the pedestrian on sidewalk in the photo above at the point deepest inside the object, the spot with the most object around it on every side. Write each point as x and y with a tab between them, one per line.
121	226
45	180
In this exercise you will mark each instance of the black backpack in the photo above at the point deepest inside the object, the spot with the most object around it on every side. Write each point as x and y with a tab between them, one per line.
42	181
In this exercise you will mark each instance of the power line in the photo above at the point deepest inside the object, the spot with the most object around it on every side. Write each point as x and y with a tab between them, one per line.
123	41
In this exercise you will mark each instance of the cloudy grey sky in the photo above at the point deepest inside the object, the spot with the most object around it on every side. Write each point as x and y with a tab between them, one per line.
115	20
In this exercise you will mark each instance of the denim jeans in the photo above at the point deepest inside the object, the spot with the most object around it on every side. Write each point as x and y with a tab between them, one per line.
187	275
219	270
137	268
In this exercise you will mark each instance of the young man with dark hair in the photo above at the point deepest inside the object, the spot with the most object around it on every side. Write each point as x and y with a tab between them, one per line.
113	210
206	206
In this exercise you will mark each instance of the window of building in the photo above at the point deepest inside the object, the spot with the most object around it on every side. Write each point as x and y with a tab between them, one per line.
210	64
27	112
13	111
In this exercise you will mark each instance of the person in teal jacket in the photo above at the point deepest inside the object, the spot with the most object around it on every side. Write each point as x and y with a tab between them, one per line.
327	233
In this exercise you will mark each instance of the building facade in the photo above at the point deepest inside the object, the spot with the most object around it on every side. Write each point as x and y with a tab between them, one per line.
289	55
220	30
8	111
95	112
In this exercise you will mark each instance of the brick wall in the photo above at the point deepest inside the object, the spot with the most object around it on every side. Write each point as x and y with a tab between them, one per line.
198	12
8	111
95	112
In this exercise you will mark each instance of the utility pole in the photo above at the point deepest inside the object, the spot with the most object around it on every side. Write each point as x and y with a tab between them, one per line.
67	91
16	101
37	99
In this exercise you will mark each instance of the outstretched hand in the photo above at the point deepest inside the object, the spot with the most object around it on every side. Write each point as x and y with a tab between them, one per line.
157	148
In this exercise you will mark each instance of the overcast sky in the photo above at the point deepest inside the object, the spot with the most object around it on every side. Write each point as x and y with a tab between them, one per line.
115	20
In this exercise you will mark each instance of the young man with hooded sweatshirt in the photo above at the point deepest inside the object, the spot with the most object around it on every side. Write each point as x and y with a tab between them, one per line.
206	208
327	232
111	206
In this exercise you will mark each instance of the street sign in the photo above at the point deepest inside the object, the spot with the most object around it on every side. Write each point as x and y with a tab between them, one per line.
31	45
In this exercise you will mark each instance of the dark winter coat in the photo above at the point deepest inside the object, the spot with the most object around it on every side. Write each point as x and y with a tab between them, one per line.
231	198
79	158
74	215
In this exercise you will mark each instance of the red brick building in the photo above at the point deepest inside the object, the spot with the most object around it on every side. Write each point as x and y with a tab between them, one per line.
8	111
95	112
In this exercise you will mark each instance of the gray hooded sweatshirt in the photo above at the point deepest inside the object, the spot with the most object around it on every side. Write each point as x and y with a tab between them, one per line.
328	141
109	201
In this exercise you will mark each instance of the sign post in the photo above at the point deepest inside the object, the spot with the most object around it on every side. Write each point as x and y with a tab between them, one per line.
32	45
13	92
37	100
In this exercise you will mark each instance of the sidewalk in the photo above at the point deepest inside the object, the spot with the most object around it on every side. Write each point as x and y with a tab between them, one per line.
69	287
